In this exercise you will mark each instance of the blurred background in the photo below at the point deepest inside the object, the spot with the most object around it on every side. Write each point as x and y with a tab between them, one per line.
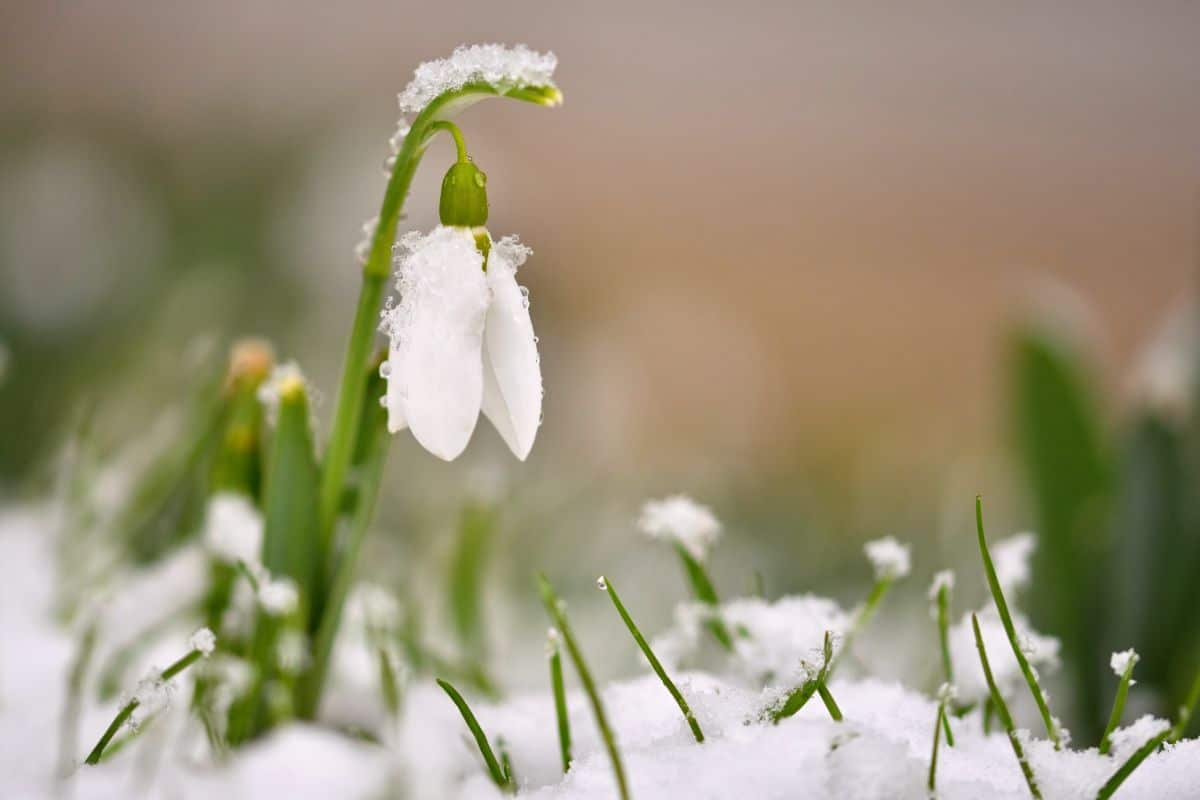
832	268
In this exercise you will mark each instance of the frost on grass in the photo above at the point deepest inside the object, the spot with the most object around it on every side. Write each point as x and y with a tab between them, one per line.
503	68
680	519
1126	741
941	580
889	558
152	694
233	528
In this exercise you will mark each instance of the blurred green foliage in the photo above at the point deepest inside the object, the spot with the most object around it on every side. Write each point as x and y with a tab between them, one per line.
1116	513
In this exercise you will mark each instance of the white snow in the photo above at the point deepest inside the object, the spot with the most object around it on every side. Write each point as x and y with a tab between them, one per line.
503	68
1040	651
279	596
680	519
1011	557
941	580
203	640
233	528
282	378
1122	661
890	559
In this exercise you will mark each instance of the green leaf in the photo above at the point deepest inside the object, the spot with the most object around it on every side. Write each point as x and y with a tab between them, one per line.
291	536
1065	458
467	570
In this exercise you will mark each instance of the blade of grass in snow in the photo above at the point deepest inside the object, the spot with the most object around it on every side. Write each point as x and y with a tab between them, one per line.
388	684
942	601
1132	763
800	696
560	699
865	612
704	591
655	664
201	647
1052	729
1114	719
466	580
830	704
557	611
938	722
1001	709
495	770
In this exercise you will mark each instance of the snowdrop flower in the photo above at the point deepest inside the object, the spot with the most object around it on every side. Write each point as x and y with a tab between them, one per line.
682	520
233	528
461	336
888	558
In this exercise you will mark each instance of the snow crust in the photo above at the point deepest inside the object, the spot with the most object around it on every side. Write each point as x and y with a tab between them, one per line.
681	519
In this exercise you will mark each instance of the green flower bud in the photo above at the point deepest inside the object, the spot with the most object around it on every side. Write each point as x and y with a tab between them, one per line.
464	196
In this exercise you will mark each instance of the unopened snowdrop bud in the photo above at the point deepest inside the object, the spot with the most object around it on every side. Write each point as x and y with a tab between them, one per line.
889	558
681	520
464	200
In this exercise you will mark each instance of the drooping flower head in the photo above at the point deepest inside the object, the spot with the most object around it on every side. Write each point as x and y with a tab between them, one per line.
682	520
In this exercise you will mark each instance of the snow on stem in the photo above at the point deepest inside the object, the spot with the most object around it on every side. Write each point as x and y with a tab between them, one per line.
202	643
499	774
655	664
557	611
1052	729
1001	710
560	698
1123	663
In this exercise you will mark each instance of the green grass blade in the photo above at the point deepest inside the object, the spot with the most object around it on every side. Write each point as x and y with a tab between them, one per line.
1001	710
1133	762
557	611
800	696
467	567
291	535
938	723
943	623
560	701
704	592
1114	718
1010	630
489	758
655	664
1187	710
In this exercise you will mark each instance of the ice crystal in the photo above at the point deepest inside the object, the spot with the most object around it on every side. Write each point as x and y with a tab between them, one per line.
680	519
152	695
1122	661
502	68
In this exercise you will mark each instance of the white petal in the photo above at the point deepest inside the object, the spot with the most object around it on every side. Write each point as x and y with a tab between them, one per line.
512	384
396	421
437	334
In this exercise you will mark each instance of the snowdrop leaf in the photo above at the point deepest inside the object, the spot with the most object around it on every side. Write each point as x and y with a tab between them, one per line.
291	535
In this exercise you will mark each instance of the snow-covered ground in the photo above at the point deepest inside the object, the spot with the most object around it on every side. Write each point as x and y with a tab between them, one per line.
880	750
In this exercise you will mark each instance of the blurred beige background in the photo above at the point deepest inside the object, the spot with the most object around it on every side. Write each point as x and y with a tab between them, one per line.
762	231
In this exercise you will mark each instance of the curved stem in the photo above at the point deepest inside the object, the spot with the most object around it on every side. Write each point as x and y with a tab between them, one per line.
459	143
